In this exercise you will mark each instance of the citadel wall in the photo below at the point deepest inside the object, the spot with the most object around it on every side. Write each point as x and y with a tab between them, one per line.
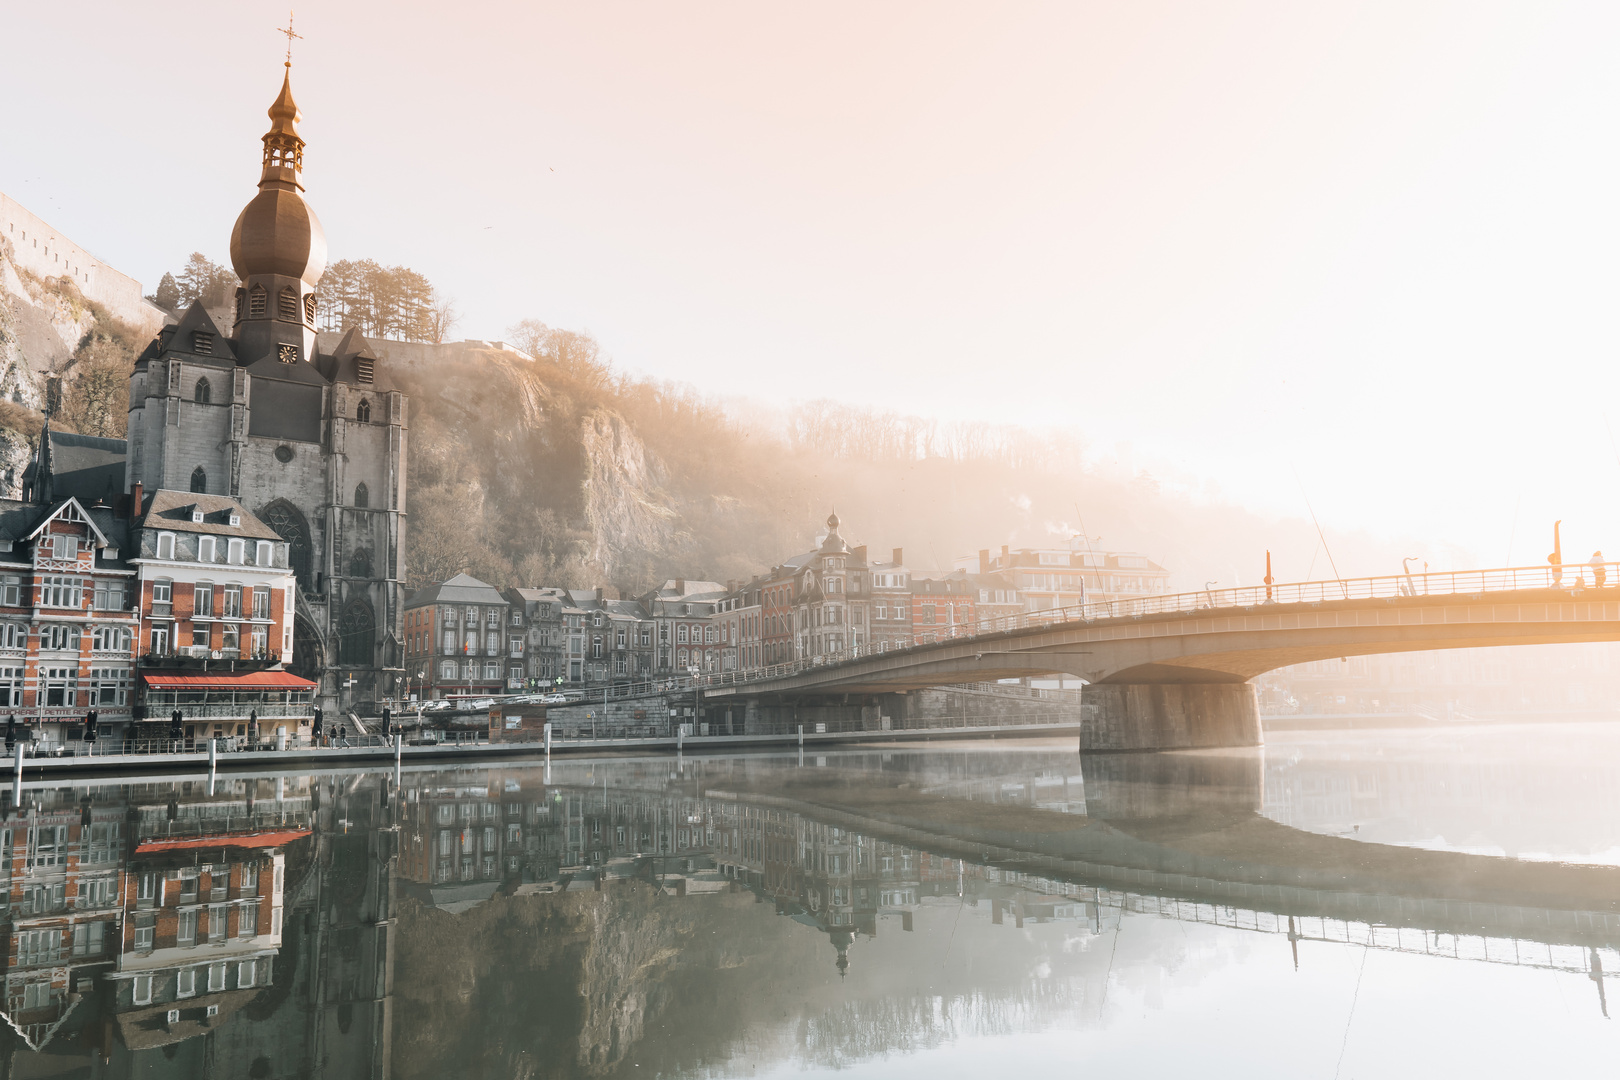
42	250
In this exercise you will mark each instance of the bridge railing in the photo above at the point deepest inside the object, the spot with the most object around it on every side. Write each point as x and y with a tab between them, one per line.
1572	577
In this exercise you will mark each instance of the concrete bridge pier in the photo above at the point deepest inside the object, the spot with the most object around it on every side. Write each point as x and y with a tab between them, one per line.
1168	716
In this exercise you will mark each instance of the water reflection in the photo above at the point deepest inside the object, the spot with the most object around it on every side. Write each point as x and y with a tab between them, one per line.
731	916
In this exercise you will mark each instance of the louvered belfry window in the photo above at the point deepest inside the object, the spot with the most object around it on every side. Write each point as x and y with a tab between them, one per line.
289	304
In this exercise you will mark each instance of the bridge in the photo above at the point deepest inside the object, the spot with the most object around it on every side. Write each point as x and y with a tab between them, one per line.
1176	671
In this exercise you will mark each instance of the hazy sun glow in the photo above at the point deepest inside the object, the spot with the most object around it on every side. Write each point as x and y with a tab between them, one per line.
1361	249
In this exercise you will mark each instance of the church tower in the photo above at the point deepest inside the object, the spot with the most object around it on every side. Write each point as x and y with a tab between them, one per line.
278	248
313	443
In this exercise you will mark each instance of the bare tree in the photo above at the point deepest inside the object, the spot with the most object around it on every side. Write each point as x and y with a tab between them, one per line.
442	318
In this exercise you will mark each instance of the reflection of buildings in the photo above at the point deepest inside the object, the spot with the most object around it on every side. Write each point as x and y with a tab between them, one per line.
202	926
163	930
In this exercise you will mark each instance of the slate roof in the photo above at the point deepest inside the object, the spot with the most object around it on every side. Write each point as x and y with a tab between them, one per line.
199	318
344	364
461	589
19	521
172	510
83	467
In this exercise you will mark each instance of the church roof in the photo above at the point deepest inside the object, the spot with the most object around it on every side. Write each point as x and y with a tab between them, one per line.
197	320
85	467
355	361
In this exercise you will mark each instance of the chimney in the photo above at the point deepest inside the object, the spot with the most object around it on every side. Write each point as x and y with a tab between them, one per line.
858	556
899	556
1004	555
984	560
680	586
601	594
136	498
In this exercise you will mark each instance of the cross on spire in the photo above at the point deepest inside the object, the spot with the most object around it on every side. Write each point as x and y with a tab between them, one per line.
288	30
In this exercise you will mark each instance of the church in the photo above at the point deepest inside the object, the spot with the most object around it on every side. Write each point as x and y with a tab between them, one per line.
312	443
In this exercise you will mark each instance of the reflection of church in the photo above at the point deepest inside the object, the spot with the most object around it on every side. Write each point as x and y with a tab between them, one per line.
313	443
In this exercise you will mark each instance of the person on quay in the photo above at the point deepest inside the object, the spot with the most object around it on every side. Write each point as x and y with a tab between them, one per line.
1599	572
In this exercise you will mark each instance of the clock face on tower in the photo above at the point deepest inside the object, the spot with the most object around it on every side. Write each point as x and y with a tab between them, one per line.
287	354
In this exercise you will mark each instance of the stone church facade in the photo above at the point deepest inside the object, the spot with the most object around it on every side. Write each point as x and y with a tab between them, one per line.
311	442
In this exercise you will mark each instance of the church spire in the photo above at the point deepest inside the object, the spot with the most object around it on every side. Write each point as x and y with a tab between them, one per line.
283	147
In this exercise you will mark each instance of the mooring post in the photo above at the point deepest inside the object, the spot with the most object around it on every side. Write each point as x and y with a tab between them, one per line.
548	740
801	736
399	755
213	754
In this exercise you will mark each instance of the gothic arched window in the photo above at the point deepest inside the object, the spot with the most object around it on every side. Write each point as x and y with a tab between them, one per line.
199	480
258	300
362	497
360	564
289	524
362	411
288	304
203	392
355	631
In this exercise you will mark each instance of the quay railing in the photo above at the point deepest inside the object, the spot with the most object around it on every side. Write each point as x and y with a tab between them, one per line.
1572	578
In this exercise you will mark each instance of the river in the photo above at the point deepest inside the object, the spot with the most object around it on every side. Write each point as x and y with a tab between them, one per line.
1378	903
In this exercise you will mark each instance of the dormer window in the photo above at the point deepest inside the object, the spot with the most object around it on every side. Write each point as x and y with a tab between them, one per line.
202	342
258	302
287	305
65	547
197	515
236	519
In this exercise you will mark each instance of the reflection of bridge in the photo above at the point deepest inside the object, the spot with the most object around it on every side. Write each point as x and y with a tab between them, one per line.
1170	836
1174	671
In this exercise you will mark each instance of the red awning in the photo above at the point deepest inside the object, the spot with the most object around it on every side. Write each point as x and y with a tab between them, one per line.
247	680
277	838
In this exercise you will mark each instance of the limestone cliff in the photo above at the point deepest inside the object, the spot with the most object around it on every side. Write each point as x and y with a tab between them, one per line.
540	485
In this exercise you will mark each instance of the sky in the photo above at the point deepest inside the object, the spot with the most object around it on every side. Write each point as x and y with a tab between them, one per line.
1360	255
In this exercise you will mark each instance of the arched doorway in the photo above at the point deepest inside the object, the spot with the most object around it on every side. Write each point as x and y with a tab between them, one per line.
289	524
308	653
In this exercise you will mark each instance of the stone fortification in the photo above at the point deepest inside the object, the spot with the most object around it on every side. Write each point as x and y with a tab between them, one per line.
42	250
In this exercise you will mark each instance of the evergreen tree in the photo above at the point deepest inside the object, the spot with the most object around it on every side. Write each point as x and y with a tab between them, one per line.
167	296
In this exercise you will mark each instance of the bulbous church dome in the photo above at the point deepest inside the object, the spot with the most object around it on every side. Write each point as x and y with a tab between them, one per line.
278	232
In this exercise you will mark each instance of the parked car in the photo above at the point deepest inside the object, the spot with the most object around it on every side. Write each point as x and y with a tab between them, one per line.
480	703
551	699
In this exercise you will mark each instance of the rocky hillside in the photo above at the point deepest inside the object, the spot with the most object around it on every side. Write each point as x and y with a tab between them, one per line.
522	472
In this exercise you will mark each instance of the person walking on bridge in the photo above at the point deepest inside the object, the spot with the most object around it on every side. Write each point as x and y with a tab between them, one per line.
1556	559
1599	573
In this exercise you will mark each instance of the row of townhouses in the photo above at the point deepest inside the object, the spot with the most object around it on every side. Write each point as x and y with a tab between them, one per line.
119	610
468	637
